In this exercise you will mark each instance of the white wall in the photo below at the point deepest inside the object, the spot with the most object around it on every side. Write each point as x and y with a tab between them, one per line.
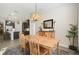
18	27
78	26
32	28
64	15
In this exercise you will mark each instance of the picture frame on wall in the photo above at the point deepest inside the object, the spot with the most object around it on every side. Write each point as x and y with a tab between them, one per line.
48	24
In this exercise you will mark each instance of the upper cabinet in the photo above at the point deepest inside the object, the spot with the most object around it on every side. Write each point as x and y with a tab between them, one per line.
9	23
26	27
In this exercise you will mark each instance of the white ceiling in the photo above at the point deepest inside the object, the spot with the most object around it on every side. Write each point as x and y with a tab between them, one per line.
25	9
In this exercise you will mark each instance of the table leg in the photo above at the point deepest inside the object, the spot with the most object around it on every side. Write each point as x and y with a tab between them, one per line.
58	49
50	51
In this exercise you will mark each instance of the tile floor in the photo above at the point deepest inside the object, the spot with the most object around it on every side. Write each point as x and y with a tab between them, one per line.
9	43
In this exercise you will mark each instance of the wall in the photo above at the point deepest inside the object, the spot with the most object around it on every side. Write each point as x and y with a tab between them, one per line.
18	26
64	15
32	28
78	26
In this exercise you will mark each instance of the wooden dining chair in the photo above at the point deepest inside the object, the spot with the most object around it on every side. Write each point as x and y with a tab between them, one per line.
27	44
33	48
58	48
40	33
22	42
36	49
43	50
50	34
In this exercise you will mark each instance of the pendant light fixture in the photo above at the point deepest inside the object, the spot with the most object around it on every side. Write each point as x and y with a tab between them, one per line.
35	15
13	16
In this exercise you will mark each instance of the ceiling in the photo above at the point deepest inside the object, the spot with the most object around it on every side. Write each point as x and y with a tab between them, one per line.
25	9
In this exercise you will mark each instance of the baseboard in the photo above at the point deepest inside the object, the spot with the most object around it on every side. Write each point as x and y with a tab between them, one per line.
62	45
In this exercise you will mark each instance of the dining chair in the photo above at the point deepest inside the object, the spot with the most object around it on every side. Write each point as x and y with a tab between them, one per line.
27	44
33	48
1	34
43	50
50	34
36	49
22	42
41	33
6	35
58	48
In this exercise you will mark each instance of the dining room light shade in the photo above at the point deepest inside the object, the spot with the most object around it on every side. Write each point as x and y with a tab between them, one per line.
35	16
13	16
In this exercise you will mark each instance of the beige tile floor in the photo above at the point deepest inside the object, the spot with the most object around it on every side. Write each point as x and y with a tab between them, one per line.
8	43
11	43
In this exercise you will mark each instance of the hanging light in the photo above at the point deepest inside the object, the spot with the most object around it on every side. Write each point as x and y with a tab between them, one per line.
13	16
35	15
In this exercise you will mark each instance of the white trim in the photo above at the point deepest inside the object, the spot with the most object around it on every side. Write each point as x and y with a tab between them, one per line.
62	45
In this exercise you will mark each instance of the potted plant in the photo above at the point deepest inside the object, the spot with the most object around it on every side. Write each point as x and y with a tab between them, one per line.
72	35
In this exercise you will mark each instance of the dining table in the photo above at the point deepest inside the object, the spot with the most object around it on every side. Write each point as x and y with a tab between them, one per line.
49	43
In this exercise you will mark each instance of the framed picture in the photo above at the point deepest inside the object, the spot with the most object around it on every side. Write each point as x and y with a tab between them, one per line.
48	24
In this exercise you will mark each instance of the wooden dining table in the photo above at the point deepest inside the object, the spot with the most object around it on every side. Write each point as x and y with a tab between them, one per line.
49	43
